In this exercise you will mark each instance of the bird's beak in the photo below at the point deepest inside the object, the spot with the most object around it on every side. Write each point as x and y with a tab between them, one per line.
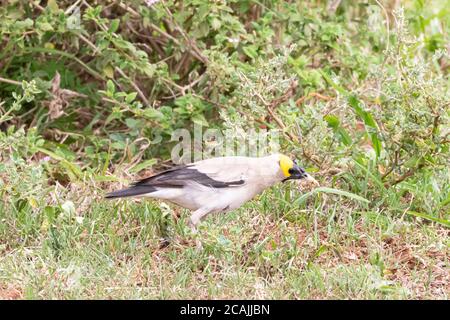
304	179
298	173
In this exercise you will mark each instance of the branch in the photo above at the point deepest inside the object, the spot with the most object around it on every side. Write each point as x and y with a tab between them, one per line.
74	93
310	95
192	47
406	175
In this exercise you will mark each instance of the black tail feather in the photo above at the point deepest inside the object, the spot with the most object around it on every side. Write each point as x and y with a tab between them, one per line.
130	192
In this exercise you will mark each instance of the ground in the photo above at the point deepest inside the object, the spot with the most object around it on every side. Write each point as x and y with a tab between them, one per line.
113	249
94	93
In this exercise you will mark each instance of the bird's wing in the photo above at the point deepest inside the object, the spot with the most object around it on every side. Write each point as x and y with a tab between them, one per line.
207	173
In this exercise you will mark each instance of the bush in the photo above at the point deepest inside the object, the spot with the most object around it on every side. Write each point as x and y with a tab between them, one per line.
364	105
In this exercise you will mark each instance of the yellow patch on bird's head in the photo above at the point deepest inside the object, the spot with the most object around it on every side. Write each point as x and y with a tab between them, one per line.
286	164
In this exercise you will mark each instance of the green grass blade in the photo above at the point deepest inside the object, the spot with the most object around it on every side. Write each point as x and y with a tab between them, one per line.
347	194
342	193
72	166
425	216
375	179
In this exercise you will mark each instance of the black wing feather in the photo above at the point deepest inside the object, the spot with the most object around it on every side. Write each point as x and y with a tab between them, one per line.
178	177
130	192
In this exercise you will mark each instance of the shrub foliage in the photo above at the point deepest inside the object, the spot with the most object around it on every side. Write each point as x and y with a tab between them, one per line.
359	91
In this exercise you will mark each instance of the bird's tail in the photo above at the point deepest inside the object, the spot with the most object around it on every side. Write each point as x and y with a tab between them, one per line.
131	192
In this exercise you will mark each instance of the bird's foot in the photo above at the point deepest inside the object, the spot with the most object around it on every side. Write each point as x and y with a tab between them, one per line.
194	234
198	245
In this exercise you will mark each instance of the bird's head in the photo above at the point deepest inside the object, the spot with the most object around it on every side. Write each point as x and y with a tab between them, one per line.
291	169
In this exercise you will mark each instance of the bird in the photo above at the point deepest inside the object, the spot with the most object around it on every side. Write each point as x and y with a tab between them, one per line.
215	185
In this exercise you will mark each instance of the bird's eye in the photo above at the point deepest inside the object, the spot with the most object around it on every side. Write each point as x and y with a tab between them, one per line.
291	171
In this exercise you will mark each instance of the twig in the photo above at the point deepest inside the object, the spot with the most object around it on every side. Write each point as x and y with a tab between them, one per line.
191	42
286	96
387	23
153	45
192	48
310	95
75	93
134	85
89	43
67	55
17	83
119	70
282	126
274	103
406	175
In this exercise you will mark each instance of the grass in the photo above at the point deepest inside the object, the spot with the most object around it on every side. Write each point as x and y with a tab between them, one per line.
358	93
327	250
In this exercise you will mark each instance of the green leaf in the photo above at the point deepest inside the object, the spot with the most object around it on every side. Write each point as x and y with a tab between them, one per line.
216	24
110	86
102	178
445	201
342	193
114	25
334	123
250	51
364	115
108	71
332	120
344	136
123	44
425	216
322	249
52	5
24	24
149	69
412	162
200	119
354	102
335	86
70	165
143	165
376	143
368	120
375	179
151	113
333	191
130	97
113	116
45	26
132	123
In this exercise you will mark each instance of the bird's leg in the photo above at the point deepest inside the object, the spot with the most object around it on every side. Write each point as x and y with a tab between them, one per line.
194	230
194	220
198	214
193	226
